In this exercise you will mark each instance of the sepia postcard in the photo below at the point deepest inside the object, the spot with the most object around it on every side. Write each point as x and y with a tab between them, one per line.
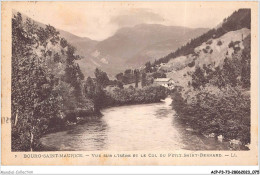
129	83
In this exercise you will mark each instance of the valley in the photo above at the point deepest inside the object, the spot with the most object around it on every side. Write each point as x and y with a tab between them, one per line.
190	83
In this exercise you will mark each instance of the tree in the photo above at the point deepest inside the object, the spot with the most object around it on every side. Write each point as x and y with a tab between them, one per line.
198	78
136	75
246	63
148	67
119	76
46	82
101	78
143	81
34	101
89	88
128	71
120	85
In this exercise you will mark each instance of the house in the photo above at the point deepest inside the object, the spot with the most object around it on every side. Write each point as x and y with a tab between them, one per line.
165	82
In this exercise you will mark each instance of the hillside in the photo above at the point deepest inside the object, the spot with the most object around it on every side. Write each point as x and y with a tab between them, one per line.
213	52
128	47
161	48
135	45
47	83
84	45
238	20
212	75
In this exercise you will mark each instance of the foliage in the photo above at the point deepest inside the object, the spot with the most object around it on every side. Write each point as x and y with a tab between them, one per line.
227	113
101	78
143	79
148	67
158	74
218	102
219	43
234	72
45	82
137	76
127	77
149	94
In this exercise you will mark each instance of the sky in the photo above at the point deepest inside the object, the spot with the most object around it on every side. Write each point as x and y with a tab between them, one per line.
100	20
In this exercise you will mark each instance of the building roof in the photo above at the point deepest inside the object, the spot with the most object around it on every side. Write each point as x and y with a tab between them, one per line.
162	79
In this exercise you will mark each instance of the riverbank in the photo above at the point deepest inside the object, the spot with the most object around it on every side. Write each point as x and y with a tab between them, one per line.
119	97
151	126
224	116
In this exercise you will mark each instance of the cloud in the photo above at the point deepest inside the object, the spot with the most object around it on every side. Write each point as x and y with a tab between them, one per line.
135	16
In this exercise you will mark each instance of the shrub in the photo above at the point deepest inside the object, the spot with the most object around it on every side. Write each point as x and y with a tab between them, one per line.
219	43
227	113
205	50
148	94
231	44
191	64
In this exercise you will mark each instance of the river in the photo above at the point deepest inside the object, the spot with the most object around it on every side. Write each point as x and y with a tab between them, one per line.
129	128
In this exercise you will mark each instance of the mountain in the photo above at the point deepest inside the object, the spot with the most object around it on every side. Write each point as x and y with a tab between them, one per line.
238	20
144	42
210	53
83	44
131	47
159	49
228	41
128	47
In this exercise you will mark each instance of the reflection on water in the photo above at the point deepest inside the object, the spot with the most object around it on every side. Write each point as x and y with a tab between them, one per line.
94	132
129	128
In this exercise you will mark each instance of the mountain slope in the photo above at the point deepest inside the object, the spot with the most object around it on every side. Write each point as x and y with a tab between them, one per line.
210	49
159	49
131	47
83	44
127	44
238	20
213	53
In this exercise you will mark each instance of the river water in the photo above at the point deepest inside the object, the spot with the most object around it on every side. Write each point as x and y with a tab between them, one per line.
129	128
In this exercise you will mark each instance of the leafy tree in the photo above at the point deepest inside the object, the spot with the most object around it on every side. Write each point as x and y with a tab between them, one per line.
246	63
159	75
34	101
143	79
128	71
45	83
136	74
198	78
119	76
148	67
101	78
120	85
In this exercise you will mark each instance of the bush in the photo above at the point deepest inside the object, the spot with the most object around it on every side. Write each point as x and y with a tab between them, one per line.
191	64
231	44
227	113
205	50
219	43
149	94
158	75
